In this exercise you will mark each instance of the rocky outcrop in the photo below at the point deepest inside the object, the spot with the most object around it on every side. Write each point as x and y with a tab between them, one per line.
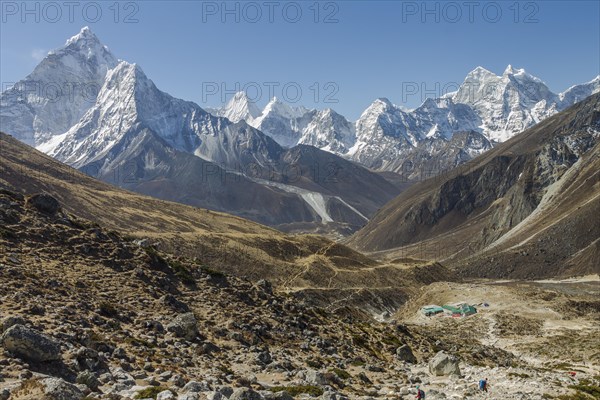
404	353
245	394
184	326
443	364
29	344
44	203
49	388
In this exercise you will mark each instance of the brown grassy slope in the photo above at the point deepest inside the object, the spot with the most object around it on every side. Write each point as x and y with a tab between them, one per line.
216	240
456	216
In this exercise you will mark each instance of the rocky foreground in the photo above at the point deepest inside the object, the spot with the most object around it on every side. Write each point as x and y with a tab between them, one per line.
89	314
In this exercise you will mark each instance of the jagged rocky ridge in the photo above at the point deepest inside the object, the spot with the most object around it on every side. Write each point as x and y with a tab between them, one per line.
494	108
523	209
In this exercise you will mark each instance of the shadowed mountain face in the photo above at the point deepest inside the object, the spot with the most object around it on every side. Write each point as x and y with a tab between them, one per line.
144	163
527	208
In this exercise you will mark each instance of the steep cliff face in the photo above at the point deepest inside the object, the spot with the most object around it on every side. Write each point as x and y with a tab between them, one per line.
477	207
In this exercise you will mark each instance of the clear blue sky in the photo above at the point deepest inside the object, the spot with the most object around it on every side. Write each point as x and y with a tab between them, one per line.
368	49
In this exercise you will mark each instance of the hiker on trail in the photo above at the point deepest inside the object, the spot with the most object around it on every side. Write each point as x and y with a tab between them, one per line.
483	385
420	393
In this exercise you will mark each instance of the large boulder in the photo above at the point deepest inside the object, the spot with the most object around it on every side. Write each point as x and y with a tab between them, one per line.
165	395
184	326
10	321
314	377
195	387
88	379
404	353
29	344
47	389
194	396
44	203
443	364
245	394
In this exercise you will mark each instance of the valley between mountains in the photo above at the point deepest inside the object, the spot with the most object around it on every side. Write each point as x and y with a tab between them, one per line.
153	249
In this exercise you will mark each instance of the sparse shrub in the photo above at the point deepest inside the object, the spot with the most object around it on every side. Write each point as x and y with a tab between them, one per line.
298	390
150	393
587	387
155	257
517	375
95	337
341	373
392	341
107	309
212	272
225	369
359	341
576	396
182	272
6	233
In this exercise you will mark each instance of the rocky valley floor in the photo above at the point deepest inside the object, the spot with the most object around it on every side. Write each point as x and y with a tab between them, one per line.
89	313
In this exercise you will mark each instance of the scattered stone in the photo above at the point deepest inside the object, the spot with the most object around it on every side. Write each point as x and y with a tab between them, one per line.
88	379
245	394
184	326
194	387
315	377
165	395
265	286
44	203
404	353
280	396
264	358
195	396
10	321
171	301
47	389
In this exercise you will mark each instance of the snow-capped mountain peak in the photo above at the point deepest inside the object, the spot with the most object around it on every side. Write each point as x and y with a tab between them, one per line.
281	121
577	93
519	72
377	107
61	88
509	70
479	73
277	106
85	46
382	102
239	108
84	35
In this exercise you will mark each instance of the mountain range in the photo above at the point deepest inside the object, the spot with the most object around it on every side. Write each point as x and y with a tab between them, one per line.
388	137
289	167
115	124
